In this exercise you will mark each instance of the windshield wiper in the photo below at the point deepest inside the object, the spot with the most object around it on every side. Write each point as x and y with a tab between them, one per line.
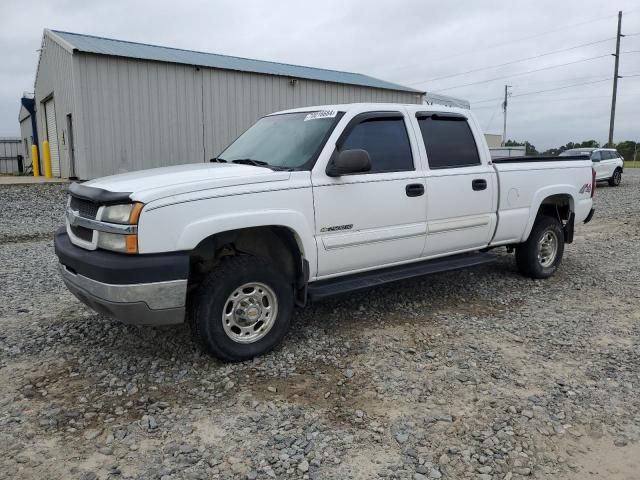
250	161
217	160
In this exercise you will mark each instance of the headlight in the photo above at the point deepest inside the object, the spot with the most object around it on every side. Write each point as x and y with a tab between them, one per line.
118	243
126	213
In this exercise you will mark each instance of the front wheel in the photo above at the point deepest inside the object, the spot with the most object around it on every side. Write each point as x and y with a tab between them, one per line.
242	309
616	178
541	255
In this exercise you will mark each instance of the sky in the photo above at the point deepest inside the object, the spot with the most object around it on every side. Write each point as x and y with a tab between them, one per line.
411	42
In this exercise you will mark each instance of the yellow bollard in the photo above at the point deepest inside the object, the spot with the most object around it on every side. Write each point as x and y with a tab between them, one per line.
34	161
46	156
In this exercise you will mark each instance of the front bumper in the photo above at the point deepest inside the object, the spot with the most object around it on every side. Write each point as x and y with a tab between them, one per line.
135	289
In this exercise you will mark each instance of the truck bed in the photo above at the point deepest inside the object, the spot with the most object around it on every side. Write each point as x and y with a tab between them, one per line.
524	182
540	158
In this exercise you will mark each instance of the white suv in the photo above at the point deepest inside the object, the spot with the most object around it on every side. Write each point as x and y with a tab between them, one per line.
607	163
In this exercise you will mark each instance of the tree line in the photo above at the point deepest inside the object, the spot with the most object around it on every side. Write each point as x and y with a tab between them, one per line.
627	148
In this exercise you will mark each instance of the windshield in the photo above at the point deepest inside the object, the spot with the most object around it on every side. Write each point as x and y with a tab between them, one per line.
575	151
289	140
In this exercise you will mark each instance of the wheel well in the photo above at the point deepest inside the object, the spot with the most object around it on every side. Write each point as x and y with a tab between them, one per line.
559	206
277	244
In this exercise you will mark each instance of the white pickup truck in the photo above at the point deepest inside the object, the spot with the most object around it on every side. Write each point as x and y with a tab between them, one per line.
306	204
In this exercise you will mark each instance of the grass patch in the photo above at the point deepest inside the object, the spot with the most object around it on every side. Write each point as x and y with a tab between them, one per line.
632	164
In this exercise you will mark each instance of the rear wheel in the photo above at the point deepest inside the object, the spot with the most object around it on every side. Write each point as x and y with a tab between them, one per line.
541	255
242	309
616	178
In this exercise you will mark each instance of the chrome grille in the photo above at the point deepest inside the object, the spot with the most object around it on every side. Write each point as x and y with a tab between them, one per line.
85	208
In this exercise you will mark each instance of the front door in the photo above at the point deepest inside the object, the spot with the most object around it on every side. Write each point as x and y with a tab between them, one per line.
461	203
375	218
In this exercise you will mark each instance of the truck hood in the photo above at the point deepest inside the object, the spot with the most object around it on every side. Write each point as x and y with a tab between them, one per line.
153	184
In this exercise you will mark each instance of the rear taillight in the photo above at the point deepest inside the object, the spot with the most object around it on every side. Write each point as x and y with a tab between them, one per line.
593	181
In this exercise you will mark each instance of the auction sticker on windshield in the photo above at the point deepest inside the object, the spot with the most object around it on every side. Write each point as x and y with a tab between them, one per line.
321	114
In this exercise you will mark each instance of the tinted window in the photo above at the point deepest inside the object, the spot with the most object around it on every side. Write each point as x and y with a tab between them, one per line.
608	155
449	142
575	151
596	156
386	141
288	140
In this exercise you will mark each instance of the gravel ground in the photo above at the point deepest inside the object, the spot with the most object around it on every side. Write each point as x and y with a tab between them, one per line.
478	374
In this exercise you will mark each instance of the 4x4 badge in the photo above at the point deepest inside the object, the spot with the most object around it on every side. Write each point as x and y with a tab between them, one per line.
585	188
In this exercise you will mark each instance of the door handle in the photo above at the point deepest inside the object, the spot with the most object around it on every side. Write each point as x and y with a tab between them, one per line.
414	190
479	184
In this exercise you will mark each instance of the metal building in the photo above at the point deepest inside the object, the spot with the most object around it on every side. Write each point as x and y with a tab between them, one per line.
108	106
26	131
11	155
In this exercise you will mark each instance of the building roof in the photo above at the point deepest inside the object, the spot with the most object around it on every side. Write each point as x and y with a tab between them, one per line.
121	48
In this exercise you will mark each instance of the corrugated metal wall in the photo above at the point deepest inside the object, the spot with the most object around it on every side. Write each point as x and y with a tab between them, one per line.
134	114
54	77
10	148
26	134
233	101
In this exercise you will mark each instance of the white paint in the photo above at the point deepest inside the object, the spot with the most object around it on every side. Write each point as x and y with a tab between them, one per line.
360	222
605	168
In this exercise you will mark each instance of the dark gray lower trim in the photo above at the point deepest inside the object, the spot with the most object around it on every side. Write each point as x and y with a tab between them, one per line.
590	216
120	268
360	281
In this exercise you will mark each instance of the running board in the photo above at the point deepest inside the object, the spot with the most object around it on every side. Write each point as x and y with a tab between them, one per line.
336	286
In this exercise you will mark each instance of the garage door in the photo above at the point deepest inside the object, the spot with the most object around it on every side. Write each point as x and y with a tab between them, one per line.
52	136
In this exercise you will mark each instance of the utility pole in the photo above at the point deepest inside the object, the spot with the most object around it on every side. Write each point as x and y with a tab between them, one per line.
615	80
504	109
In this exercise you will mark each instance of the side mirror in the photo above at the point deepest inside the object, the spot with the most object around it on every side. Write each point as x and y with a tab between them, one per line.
349	161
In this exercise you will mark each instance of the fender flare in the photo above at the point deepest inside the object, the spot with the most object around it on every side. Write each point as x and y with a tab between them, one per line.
195	232
541	195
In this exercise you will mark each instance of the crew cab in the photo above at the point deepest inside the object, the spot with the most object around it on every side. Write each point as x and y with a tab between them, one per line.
310	203
607	163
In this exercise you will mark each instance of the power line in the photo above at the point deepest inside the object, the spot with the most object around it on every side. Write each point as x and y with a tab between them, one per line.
537	35
561	88
522	73
572	79
492	116
547	90
631	51
632	75
545	100
514	61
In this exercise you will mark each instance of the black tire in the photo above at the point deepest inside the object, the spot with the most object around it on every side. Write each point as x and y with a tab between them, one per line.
527	253
207	303
616	178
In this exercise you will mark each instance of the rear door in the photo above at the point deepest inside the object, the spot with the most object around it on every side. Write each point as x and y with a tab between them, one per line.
376	218
598	165
608	162
461	186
